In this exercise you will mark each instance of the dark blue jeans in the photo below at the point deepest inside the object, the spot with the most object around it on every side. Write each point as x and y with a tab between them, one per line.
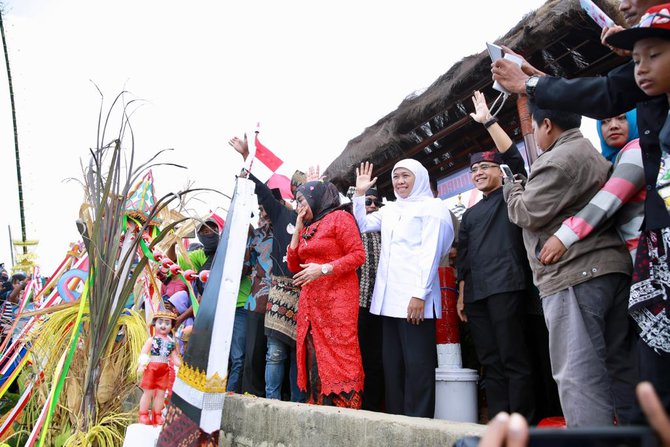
278	352
237	348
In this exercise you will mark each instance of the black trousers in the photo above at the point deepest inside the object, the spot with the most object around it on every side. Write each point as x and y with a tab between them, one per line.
370	342
497	327
253	377
654	367
410	357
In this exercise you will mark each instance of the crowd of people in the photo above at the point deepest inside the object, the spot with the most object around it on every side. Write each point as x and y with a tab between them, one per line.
597	238
338	297
325	309
12	287
562	270
562	274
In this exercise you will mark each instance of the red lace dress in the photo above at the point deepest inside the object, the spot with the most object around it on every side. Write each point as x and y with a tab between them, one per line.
328	311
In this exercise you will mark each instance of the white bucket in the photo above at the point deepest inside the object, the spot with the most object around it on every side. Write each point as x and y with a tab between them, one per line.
456	394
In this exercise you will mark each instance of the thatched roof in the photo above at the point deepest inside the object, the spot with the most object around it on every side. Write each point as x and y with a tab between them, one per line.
434	127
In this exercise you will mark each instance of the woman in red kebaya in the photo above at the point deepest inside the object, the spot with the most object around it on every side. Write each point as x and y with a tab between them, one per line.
326	250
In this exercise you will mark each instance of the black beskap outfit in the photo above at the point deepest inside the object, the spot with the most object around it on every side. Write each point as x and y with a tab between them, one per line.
492	261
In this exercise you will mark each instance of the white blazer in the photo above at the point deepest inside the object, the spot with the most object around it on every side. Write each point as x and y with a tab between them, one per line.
414	238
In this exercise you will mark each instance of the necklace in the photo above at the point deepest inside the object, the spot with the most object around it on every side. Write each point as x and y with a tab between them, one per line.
308	233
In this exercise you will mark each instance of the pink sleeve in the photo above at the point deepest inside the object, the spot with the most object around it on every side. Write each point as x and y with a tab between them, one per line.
624	183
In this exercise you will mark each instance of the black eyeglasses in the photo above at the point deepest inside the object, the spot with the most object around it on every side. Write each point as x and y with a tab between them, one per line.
369	202
482	167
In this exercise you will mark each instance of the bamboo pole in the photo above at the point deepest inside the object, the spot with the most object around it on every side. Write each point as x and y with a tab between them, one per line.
11	245
16	136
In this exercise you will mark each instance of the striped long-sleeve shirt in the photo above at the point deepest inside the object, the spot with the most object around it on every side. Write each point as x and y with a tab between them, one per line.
622	196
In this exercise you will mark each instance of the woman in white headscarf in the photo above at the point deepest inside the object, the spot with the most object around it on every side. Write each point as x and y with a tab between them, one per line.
416	232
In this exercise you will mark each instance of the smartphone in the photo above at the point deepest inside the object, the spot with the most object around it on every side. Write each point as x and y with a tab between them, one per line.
496	52
596	14
507	172
593	437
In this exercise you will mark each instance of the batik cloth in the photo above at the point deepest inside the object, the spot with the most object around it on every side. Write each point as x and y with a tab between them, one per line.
282	309
648	303
372	243
260	249
181	431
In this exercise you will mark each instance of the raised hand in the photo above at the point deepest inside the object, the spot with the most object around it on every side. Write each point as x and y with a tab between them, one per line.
364	180
482	113
313	174
241	146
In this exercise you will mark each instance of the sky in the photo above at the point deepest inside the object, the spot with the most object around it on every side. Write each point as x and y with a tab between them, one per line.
313	74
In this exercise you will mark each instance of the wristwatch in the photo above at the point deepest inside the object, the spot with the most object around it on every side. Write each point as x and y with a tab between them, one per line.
324	269
531	83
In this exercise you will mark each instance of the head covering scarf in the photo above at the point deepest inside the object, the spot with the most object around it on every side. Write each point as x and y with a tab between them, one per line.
421	189
180	300
610	152
420	201
322	198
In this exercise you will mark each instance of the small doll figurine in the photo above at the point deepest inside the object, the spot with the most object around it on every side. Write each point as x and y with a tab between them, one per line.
154	367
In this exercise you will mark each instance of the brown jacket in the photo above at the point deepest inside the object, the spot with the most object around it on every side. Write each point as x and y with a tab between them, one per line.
561	183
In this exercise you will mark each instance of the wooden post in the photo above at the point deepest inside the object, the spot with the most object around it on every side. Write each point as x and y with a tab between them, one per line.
526	129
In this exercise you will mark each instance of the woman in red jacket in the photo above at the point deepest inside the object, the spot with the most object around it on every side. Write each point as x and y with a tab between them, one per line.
326	250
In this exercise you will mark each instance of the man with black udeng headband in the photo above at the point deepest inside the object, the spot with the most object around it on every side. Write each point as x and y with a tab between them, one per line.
599	98
493	274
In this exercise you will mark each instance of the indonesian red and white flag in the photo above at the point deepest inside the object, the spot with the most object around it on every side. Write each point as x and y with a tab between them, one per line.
266	156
